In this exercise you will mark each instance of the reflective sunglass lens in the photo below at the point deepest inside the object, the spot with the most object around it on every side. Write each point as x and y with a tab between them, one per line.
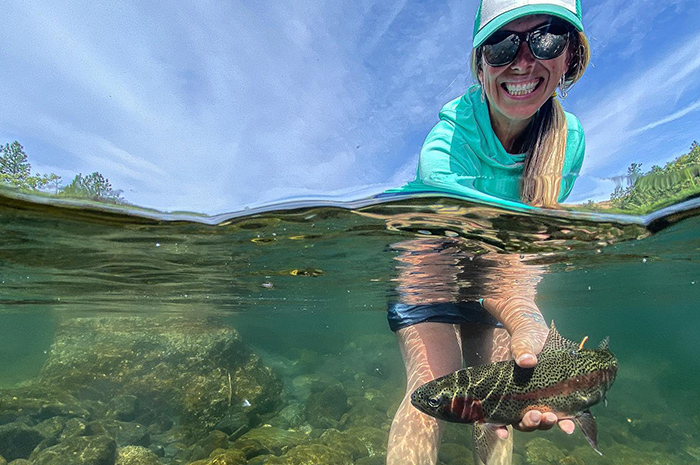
502	52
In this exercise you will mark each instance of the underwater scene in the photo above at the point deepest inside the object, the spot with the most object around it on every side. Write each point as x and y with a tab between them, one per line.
131	337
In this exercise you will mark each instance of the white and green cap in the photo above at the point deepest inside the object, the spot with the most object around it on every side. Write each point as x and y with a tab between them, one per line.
494	14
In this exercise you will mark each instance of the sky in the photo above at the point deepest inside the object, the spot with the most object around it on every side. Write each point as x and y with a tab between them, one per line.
213	106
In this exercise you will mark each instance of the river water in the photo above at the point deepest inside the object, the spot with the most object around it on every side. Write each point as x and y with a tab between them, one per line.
261	337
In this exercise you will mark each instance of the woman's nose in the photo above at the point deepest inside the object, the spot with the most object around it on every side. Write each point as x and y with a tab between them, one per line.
524	59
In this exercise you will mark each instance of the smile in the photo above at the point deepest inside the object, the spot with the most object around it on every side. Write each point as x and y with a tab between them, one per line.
521	88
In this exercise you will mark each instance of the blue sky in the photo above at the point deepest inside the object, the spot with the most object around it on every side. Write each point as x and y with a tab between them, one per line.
214	106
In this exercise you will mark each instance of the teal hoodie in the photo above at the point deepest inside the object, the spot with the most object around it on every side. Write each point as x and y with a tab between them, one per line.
462	155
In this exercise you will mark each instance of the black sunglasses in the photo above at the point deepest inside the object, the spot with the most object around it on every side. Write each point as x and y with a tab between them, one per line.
546	42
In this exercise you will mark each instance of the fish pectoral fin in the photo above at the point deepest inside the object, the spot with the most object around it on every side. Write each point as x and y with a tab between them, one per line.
586	423
485	440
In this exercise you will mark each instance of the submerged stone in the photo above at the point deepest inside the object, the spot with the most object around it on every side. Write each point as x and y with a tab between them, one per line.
205	446
98	450
269	439
347	443
325	409
136	455
450	452
541	451
17	440
223	457
374	439
189	370
312	454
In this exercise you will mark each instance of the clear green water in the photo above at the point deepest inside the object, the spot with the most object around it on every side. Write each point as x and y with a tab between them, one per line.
97	306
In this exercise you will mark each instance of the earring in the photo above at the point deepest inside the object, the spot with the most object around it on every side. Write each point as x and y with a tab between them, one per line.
562	87
483	93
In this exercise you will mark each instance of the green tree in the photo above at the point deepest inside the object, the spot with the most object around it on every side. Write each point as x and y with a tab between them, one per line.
92	186
14	165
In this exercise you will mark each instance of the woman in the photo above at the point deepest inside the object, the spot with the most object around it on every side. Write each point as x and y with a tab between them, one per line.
506	139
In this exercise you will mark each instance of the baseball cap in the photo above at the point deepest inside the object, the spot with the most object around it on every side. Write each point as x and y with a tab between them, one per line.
494	14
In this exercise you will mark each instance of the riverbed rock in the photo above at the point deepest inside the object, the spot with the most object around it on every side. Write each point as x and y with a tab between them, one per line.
17	440
223	457
312	454
186	369
269	439
325	408
96	450
541	451
351	445
136	455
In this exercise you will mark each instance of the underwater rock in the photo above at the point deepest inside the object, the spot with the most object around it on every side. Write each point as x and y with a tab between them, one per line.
235	422
373	460
374	439
349	444
311	454
189	370
52	427
20	462
136	455
450	453
39	403
292	416
223	457
268	440
73	428
124	407
364	414
541	451
2	460
205	446
304	385
570	460
17	440
97	450
128	433
324	409
622	454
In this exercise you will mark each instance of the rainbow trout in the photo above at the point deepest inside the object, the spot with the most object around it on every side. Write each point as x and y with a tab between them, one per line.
567	380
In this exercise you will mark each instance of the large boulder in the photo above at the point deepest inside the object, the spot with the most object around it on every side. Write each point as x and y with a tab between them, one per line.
187	369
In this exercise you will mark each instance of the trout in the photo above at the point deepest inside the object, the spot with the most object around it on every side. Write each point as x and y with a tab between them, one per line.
567	380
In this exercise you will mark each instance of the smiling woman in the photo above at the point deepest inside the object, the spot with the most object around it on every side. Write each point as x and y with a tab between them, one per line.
508	138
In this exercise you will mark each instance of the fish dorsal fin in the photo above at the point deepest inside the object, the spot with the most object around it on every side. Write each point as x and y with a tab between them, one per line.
604	344
555	341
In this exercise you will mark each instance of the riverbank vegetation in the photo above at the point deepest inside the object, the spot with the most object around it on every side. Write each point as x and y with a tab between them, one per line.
16	173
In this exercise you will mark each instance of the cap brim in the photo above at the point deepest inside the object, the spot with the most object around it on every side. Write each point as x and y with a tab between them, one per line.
503	19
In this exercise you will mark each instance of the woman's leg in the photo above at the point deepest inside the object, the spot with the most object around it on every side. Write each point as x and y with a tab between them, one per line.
429	350
480	345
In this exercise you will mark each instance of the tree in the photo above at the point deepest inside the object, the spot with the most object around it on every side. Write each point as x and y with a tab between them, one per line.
93	186
14	166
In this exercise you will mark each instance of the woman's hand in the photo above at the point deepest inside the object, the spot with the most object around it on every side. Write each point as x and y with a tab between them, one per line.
528	331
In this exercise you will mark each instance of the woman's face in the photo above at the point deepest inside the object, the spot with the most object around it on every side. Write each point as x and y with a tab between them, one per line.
517	90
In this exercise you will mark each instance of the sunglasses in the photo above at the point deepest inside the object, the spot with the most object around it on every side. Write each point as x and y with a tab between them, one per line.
546	42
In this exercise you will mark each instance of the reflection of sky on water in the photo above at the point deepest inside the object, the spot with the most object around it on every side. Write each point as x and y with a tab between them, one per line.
211	108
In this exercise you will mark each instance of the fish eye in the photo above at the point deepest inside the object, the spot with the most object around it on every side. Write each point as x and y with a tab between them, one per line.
434	402
573	353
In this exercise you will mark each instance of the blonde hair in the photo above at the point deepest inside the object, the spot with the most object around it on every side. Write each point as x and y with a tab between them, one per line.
545	143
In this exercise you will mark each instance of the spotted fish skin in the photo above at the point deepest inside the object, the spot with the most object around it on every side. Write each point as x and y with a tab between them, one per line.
567	380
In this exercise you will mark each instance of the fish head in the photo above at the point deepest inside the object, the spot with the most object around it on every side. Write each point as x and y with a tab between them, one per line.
446	399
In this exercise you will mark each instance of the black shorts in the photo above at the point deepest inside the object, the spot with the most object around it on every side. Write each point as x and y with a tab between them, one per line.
402	315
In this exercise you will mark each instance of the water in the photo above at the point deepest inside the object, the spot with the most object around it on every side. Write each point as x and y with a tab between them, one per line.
264	334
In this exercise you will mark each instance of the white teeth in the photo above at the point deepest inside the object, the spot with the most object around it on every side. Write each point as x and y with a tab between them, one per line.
521	89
